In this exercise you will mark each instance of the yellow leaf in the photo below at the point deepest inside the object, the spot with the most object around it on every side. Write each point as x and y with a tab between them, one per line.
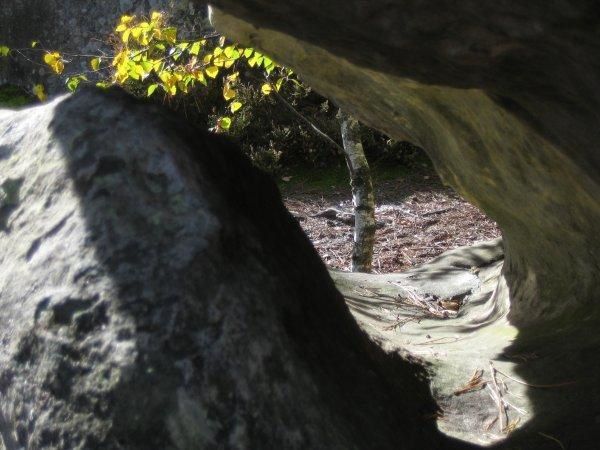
165	76
266	89
34	44
169	35
126	19
233	77
54	61
234	106
217	51
125	36
228	93
156	16
195	48
200	78
119	58
39	92
207	59
4	50
120	28
212	71
218	60
136	32
51	58
95	63
145	39
227	64
248	52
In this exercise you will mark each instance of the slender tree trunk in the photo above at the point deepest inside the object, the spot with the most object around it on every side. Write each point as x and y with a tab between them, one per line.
363	197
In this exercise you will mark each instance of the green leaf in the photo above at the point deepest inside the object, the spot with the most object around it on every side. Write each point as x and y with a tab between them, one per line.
278	84
252	61
73	82
103	84
229	51
147	66
4	50
151	89
34	44
248	52
225	123
95	63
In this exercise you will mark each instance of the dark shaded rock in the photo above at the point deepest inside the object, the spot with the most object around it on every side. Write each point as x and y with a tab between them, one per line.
155	293
505	98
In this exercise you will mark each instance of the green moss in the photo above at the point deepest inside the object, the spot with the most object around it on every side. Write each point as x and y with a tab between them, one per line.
311	180
14	97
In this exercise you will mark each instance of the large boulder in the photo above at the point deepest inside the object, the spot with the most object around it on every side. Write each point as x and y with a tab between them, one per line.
75	28
155	293
505	98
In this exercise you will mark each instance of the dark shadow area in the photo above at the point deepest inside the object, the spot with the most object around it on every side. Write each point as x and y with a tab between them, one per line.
263	262
533	61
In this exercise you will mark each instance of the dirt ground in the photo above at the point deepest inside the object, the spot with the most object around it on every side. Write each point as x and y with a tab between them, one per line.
418	219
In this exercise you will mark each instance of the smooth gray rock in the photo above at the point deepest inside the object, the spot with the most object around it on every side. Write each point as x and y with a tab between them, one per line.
155	293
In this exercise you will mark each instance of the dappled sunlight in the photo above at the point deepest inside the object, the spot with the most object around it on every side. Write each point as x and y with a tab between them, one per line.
458	346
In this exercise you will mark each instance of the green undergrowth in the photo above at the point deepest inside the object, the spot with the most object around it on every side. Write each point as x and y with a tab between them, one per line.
14	97
331	179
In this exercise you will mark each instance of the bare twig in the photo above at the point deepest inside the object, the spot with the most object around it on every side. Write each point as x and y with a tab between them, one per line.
474	384
449	340
499	403
437	211
316	129
540	386
552	438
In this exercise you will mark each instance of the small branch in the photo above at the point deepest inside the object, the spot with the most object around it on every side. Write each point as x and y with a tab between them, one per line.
499	403
305	120
552	438
437	211
540	386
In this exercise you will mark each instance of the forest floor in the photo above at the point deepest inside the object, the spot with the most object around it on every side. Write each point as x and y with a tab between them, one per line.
418	217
